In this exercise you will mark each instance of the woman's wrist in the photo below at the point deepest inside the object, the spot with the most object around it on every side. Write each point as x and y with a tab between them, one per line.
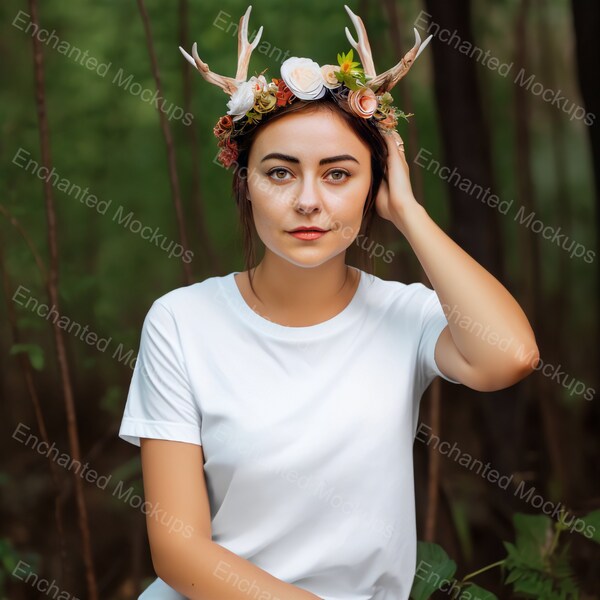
408	216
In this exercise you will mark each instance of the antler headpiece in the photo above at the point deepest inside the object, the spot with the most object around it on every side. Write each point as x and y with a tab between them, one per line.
357	88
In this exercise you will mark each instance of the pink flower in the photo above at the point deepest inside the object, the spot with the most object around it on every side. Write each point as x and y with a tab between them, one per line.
363	102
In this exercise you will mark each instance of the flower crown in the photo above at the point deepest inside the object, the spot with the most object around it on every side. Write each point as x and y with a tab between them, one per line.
354	86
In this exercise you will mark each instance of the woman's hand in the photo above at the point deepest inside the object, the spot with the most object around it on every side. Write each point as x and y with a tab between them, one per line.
395	195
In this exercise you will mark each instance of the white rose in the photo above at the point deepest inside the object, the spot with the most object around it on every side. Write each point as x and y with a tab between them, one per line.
242	100
304	78
328	72
259	84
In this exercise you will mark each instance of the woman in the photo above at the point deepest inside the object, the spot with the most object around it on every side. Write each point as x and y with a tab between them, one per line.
276	407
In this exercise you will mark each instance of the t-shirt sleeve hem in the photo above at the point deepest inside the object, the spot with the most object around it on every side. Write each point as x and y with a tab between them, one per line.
437	329
132	430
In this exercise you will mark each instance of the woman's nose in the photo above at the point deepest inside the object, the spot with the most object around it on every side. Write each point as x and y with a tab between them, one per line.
309	196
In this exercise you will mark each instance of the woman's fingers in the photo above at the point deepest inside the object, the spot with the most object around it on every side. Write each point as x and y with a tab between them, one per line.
398	171
397	139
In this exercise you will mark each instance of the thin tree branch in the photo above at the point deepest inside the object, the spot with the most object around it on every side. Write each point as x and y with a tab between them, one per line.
166	130
36	256
52	289
214	262
27	372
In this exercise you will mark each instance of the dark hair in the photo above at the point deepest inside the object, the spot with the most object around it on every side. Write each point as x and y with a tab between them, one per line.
365	129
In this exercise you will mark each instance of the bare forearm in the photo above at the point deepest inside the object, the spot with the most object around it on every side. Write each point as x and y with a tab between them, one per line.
203	570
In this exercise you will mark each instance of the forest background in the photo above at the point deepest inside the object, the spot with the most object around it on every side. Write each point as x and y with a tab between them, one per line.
503	148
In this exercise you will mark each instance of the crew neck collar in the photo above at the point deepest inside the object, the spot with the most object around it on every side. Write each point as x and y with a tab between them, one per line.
335	323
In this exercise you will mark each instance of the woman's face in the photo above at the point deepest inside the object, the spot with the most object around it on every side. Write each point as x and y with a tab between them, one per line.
308	169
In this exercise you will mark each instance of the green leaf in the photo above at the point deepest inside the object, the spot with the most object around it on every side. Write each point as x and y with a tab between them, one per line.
342	58
386	98
533	532
514	574
353	80
537	567
10	558
111	401
434	569
402	115
474	592
592	529
34	352
460	518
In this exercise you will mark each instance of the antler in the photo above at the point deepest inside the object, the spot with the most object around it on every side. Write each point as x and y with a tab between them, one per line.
386	81
245	48
362	47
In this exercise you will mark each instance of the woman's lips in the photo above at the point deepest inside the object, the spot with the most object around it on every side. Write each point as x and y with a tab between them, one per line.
307	235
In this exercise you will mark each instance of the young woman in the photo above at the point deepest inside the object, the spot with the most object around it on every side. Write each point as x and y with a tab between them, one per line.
276	408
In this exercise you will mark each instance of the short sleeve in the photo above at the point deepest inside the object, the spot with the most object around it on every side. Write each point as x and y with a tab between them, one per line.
433	321
160	403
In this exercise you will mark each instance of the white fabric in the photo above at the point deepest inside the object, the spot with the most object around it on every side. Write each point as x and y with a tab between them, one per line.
307	432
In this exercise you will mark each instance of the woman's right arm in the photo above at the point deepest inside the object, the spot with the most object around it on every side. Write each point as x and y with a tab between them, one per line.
178	521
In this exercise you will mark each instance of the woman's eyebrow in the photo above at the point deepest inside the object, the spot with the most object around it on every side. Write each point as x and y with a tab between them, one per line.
323	161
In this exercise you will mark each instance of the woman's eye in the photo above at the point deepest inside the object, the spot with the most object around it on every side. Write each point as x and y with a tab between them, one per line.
277	178
337	175
339	172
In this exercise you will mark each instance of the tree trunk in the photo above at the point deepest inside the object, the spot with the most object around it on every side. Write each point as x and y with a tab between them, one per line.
474	224
586	20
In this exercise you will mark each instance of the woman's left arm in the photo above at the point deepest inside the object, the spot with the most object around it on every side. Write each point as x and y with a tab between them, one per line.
488	344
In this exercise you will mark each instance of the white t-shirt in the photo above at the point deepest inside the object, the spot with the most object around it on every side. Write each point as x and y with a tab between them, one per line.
307	432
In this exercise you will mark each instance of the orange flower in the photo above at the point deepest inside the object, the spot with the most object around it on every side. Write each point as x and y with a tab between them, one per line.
284	94
229	152
223	126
